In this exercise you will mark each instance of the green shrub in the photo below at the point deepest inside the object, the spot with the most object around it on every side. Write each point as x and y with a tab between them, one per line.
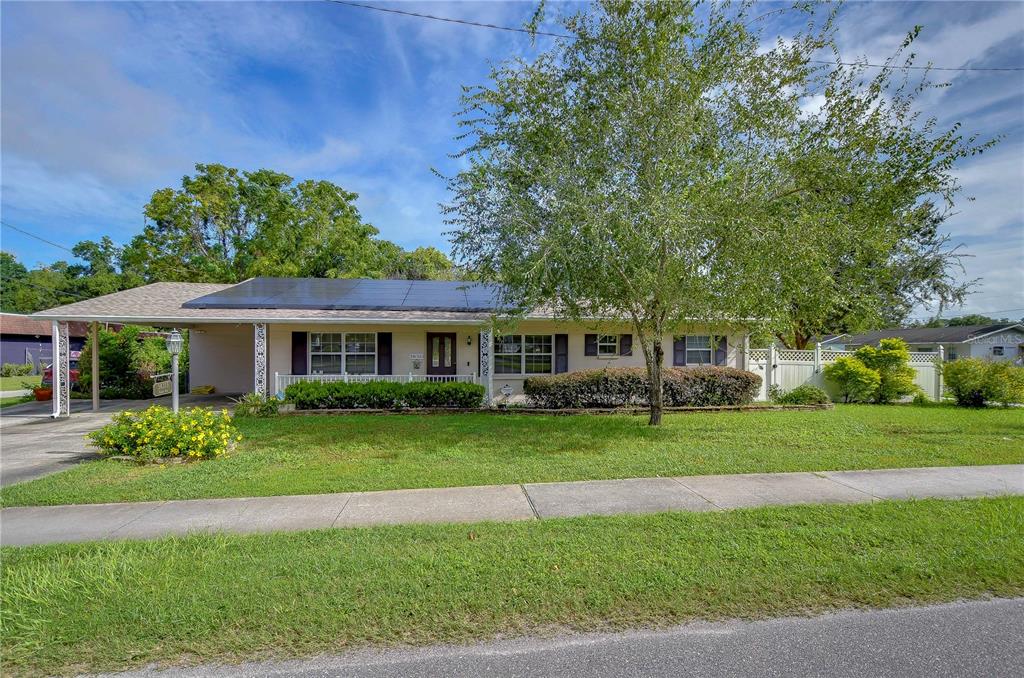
891	360
15	369
157	432
856	381
128	362
383	395
973	382
803	395
255	405
623	386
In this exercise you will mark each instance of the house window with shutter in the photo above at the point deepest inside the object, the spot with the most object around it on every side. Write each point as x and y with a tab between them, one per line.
338	353
608	346
698	350
524	354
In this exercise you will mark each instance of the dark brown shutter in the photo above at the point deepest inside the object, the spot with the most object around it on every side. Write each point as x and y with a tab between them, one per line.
383	353
721	351
625	344
479	351
679	351
590	344
561	353
299	346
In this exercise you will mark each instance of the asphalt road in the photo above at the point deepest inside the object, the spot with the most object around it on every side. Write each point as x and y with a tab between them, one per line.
984	638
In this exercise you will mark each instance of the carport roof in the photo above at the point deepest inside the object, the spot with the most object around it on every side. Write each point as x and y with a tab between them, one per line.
166	303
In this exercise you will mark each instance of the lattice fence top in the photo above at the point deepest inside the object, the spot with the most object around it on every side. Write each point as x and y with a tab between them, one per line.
832	355
794	355
827	356
923	358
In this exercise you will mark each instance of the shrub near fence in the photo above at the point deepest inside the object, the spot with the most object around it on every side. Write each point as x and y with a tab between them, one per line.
624	386
312	395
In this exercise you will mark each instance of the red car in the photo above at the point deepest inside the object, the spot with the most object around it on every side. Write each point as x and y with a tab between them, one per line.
72	370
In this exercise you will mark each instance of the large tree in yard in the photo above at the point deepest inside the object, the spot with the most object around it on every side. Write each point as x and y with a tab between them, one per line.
659	168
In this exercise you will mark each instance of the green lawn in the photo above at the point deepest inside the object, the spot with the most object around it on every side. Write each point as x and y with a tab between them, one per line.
318	454
14	400
15	383
106	606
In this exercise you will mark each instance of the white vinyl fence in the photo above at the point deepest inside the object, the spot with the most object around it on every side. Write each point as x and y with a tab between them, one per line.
789	368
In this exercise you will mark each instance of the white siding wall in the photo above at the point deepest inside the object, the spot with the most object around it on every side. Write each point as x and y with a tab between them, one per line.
1009	341
222	356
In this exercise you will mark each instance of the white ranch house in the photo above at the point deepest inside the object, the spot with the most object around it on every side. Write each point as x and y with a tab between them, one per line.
265	333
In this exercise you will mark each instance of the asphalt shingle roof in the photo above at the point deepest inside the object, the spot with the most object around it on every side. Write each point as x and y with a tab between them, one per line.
163	304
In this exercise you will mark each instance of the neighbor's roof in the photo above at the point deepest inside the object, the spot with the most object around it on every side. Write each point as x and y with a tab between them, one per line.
918	335
166	303
15	323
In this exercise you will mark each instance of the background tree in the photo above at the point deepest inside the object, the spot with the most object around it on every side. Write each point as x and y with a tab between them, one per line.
870	185
226	225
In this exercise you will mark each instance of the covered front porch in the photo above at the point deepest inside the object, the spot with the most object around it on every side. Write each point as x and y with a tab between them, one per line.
266	358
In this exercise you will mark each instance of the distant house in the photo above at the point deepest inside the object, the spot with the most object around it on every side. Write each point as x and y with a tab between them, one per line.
24	339
995	342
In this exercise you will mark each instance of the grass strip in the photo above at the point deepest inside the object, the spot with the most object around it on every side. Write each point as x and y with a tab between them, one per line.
105	606
321	454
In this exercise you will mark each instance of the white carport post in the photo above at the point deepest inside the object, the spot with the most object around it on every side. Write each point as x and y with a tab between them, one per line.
487	364
260	359
95	353
60	371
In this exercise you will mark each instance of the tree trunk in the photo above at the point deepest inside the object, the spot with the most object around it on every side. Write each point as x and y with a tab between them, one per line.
654	374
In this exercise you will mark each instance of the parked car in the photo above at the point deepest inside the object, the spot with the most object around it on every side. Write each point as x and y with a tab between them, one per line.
72	370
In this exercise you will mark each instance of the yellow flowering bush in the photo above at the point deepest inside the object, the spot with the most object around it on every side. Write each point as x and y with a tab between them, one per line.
157	432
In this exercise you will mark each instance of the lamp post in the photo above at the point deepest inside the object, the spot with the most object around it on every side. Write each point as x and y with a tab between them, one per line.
174	343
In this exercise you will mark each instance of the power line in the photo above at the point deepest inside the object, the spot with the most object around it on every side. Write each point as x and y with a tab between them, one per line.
33	235
464	22
566	36
58	293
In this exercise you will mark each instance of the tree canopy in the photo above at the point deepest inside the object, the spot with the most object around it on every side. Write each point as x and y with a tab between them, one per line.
226	225
662	168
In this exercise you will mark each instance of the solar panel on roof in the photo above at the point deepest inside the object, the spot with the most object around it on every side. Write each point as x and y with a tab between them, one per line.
352	294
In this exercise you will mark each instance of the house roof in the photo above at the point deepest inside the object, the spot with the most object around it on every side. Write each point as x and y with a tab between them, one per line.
15	323
166	303
353	294
938	335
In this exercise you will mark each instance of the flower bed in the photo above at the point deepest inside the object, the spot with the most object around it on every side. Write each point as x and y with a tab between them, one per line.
157	432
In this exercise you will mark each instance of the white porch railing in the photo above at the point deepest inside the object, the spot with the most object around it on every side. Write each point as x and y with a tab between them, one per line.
283	381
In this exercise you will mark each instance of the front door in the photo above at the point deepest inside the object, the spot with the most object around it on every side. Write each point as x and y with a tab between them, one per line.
440	353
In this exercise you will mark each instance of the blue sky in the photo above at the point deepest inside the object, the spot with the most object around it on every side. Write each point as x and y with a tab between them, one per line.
102	103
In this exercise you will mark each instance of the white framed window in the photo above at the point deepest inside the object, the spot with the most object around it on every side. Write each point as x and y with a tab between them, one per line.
607	346
997	350
524	354
342	353
698	350
538	353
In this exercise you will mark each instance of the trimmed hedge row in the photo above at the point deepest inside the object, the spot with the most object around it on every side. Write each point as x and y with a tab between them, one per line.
382	395
623	386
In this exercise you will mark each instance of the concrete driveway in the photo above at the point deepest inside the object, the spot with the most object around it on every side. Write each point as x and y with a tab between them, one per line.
32	444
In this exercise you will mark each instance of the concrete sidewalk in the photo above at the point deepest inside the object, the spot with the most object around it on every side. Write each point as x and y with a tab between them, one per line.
48	524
